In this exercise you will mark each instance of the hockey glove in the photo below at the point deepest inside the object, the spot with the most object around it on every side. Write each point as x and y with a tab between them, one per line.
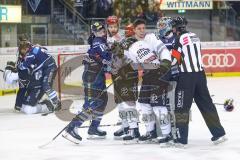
117	50
164	67
11	66
126	43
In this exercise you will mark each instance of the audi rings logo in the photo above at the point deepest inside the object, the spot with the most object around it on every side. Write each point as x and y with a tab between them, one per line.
219	60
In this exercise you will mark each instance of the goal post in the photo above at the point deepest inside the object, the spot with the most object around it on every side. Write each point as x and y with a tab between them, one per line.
69	74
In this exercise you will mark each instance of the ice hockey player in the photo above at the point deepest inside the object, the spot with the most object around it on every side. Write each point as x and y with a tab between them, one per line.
113	30
125	90
192	84
35	78
96	64
112	39
166	35
12	76
155	59
124	78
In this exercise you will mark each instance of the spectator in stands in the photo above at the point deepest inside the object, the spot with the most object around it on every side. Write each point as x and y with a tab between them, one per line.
80	6
140	13
152	15
104	8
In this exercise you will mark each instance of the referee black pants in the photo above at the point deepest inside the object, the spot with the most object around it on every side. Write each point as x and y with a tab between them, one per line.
194	86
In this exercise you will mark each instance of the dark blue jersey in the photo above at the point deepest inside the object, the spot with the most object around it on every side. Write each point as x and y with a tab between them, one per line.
27	80
169	42
34	59
99	50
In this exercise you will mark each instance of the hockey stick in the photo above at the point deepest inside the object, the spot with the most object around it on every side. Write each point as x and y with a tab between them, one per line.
215	103
103	125
44	145
45	114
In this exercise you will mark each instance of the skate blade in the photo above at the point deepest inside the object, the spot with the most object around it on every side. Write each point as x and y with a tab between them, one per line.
130	142
166	144
220	140
95	137
147	142
180	146
118	138
70	138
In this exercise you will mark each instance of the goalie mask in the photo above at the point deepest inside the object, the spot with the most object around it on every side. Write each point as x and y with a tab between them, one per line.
112	25
164	26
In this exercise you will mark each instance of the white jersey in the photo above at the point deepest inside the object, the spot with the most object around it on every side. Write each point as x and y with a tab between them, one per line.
157	46
144	52
116	38
141	53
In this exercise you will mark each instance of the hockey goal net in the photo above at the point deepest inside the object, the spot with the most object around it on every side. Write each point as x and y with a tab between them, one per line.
69	76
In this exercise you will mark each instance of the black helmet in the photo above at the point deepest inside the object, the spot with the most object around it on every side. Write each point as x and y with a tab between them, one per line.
97	26
180	23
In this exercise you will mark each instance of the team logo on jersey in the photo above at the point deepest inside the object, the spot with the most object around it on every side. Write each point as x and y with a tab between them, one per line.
185	40
143	52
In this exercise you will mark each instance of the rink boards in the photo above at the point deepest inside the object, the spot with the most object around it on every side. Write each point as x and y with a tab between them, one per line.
219	58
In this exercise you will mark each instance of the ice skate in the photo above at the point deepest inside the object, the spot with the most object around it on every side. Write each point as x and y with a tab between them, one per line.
149	137
96	133
218	140
132	136
71	134
120	133
165	142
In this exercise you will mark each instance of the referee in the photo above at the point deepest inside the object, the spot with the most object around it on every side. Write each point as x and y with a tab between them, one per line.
192	84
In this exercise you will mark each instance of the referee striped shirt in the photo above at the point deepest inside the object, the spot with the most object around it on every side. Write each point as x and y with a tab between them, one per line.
188	45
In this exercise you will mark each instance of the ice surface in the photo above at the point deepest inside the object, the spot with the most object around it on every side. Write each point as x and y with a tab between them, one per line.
20	135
